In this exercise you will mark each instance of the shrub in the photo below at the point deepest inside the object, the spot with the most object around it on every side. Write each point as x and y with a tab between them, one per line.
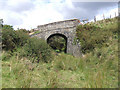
21	38
8	35
24	30
37	49
12	39
6	56
92	36
67	62
58	43
34	48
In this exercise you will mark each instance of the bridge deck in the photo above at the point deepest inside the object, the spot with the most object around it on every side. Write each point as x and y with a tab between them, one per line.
60	24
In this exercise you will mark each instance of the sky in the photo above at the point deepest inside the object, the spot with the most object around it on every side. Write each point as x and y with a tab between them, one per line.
28	14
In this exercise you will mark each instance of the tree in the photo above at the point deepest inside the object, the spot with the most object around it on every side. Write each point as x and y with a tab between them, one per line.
12	39
1	22
23	30
8	36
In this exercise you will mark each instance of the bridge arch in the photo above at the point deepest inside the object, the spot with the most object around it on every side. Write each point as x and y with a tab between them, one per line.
66	28
60	35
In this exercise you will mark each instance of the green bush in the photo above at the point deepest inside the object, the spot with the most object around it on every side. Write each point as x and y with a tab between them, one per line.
12	39
24	30
67	62
6	56
37	49
8	37
58	43
21	38
19	42
92	36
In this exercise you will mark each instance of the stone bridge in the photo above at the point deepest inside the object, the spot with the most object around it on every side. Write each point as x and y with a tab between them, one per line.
66	29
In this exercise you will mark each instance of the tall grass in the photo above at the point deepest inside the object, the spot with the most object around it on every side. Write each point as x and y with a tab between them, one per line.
64	71
98	68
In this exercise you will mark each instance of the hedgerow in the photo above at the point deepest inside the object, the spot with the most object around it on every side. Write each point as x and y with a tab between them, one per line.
32	48
95	35
38	50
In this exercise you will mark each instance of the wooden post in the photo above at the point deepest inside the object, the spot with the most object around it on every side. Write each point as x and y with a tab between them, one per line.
1	22
115	14
87	20
110	15
103	16
94	19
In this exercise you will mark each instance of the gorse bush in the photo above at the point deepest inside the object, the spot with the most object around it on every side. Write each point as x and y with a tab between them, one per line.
12	39
95	34
20	42
22	38
23	30
98	68
8	37
37	49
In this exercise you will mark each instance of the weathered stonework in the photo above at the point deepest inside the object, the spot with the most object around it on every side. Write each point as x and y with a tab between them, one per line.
66	28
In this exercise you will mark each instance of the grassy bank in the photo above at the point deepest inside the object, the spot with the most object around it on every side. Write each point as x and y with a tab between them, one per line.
98	68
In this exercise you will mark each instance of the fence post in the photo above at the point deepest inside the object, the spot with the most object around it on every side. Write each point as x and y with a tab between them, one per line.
103	16
94	19
115	14
110	15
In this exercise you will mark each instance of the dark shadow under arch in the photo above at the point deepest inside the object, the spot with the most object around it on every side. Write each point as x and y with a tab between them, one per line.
61	35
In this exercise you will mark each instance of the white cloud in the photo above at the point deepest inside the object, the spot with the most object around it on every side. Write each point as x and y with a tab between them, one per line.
21	16
30	13
42	14
11	18
16	5
12	11
107	13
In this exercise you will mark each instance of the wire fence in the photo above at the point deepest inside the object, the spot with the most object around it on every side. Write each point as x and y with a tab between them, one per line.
83	21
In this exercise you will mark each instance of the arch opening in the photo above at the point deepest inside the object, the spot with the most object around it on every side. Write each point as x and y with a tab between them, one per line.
58	42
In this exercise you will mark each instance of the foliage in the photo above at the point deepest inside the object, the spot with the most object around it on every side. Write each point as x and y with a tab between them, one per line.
58	43
95	35
67	62
6	56
1	23
98	68
36	32
23	30
37	49
29	47
8	37
12	39
21	38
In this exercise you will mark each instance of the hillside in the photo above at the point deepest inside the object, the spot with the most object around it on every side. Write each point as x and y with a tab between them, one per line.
33	64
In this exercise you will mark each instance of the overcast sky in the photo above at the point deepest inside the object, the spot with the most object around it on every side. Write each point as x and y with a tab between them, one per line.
29	14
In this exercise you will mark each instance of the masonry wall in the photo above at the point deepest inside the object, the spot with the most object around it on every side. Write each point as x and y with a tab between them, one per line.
66	28
58	25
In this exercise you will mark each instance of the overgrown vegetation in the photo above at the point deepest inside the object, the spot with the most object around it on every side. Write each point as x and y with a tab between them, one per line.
98	68
37	49
33	48
58	43
97	34
12	39
36	32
